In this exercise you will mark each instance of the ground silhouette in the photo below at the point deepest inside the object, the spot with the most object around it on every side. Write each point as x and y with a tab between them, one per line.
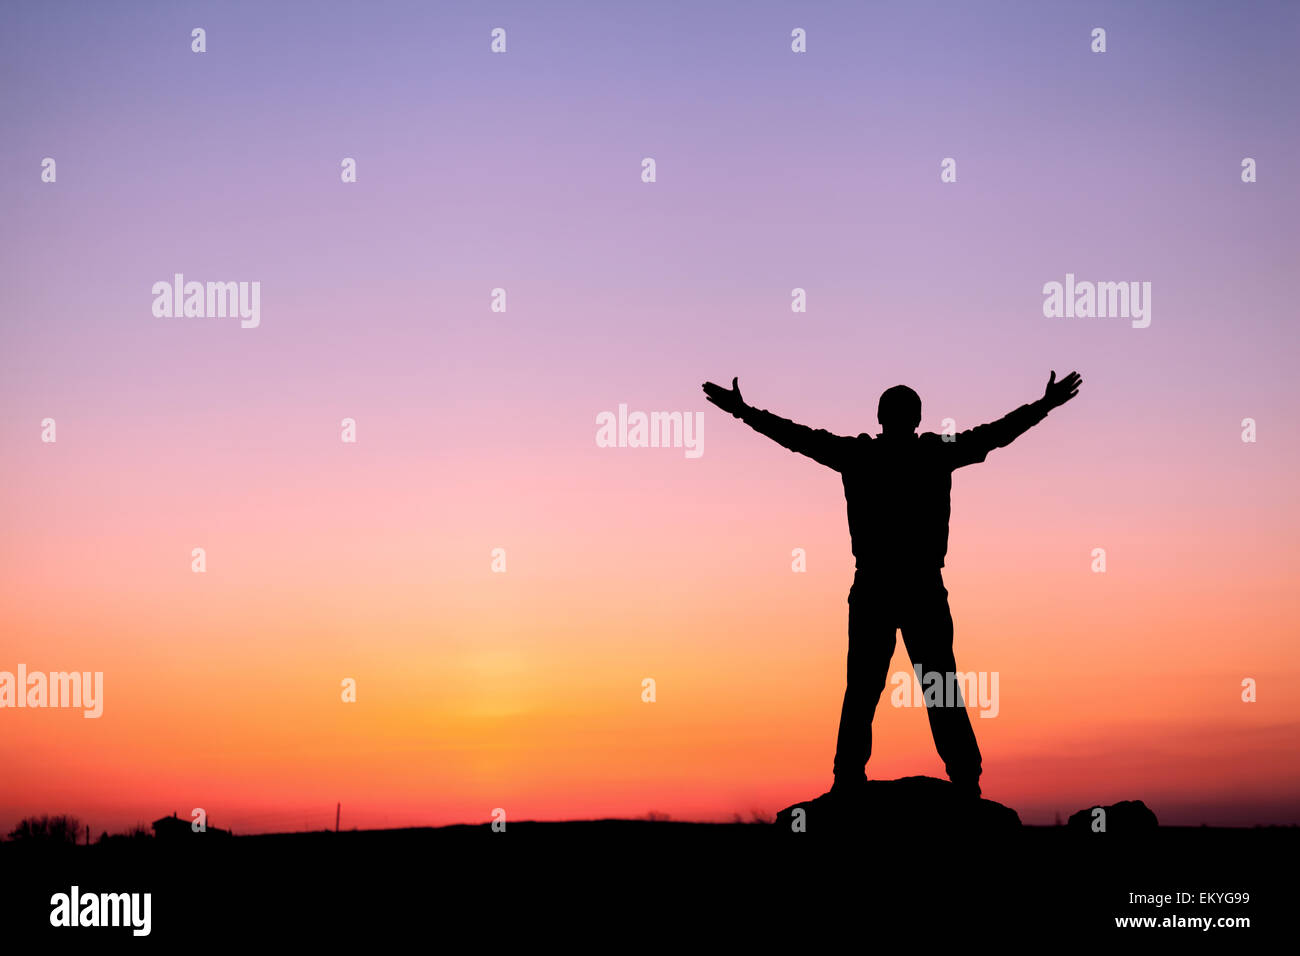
590	882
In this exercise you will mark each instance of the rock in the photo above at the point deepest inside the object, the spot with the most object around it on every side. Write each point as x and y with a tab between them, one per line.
908	806
1127	816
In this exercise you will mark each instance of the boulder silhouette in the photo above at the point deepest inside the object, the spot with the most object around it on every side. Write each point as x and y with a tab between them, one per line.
1127	816
909	805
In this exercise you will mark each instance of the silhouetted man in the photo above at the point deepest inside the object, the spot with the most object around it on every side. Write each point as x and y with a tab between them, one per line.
898	486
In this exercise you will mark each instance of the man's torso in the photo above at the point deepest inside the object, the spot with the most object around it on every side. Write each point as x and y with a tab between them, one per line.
898	493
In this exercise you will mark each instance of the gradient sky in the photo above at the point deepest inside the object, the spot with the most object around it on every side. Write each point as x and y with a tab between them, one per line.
476	429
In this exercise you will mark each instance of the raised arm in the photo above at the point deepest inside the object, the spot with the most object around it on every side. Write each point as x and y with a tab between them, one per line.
973	445
818	444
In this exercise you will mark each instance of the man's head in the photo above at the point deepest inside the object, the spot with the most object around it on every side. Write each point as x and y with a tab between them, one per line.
899	411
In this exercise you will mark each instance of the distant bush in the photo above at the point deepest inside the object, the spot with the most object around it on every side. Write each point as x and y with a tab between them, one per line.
60	829
137	832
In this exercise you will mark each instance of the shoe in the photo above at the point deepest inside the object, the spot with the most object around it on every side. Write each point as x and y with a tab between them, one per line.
849	787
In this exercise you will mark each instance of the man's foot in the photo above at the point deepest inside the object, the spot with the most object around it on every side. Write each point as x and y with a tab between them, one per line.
849	786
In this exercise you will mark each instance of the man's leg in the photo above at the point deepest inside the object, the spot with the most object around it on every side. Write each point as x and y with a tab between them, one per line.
927	634
871	645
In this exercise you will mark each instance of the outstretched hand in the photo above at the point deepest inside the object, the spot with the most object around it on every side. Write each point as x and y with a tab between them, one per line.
1058	393
727	399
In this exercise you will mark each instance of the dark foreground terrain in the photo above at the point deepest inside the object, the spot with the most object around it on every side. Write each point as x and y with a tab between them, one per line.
850	875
